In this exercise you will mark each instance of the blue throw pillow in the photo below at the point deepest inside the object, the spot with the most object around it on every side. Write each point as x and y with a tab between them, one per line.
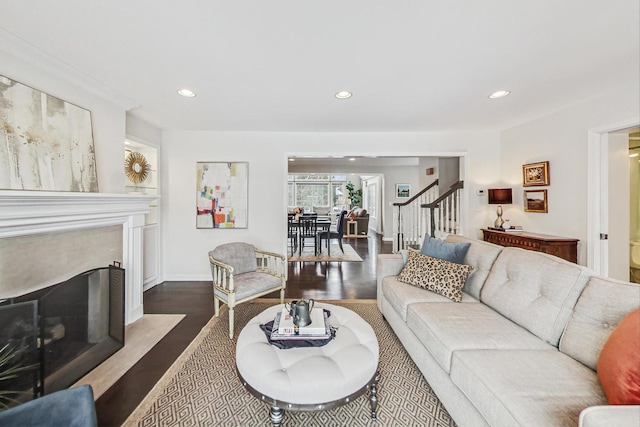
452	252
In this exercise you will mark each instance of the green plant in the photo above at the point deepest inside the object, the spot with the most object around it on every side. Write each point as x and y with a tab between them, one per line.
10	368
354	195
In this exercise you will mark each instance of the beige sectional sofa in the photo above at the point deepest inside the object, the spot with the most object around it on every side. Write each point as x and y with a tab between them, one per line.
522	346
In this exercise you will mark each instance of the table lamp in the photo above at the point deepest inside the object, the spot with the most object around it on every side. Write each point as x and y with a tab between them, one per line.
500	196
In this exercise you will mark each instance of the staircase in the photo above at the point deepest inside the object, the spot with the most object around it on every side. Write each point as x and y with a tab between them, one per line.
426	212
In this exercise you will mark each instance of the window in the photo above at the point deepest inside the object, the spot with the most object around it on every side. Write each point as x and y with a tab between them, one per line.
309	190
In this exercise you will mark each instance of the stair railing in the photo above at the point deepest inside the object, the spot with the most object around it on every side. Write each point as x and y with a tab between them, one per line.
409	221
443	213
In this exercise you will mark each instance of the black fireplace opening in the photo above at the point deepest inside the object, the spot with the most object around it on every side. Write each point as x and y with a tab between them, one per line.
79	324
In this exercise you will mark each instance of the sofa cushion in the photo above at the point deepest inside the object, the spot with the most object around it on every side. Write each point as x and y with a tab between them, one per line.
602	305
241	256
481	256
444	328
535	290
526	387
436	275
619	362
401	295
250	284
452	252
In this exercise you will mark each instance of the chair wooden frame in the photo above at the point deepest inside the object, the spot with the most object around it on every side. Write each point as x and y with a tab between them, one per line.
224	281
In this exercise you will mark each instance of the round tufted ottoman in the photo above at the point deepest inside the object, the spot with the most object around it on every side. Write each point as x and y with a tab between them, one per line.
312	378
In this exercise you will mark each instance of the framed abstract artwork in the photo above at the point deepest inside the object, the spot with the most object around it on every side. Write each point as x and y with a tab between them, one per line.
403	191
222	190
47	142
535	201
535	174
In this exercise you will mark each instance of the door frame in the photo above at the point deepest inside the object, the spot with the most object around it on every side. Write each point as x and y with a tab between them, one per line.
597	187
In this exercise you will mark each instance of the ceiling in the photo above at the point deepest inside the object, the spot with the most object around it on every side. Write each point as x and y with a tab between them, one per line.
412	65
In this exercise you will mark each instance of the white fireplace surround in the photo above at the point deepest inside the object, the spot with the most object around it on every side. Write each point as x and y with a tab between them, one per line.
24	213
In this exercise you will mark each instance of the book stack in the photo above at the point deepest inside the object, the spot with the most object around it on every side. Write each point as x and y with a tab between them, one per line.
285	329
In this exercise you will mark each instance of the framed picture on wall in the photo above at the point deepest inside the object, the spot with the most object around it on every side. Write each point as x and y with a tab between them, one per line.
47	142
222	190
535	174
403	191
535	201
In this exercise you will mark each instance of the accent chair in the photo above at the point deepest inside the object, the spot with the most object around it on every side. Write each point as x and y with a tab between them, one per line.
241	273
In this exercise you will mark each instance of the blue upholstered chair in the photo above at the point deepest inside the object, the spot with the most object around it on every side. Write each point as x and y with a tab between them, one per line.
241	273
333	234
72	407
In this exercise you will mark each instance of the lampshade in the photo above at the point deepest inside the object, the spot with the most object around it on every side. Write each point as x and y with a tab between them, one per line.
500	196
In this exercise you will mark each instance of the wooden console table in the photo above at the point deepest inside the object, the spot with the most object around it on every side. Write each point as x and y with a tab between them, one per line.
562	247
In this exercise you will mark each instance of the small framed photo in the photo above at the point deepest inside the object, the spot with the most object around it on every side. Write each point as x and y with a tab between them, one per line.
403	191
535	174
535	201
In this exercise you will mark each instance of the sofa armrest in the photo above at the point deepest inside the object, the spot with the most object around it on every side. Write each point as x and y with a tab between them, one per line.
387	265
610	415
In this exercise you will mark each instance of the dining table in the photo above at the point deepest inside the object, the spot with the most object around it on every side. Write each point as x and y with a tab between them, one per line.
323	224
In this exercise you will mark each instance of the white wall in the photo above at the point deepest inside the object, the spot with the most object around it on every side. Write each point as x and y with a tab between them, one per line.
560	138
140	129
424	164
185	247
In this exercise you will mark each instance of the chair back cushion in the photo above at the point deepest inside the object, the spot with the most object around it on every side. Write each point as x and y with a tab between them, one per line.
481	256
340	223
535	290
601	307
241	256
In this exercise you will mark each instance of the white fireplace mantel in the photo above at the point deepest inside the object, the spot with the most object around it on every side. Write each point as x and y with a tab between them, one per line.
25	213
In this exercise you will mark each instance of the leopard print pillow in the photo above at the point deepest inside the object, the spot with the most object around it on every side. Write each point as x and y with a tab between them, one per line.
435	275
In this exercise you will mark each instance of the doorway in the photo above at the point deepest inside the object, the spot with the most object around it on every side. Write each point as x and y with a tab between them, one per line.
612	204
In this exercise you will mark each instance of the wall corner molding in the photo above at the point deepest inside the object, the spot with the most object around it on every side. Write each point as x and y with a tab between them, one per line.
22	50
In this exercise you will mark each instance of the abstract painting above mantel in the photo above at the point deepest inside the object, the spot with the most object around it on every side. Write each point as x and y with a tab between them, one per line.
47	143
222	194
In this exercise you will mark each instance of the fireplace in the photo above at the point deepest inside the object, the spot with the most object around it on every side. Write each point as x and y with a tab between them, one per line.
29	216
63	331
47	237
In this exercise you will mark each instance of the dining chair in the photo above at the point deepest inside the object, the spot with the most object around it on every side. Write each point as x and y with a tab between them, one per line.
308	229
333	234
292	233
241	273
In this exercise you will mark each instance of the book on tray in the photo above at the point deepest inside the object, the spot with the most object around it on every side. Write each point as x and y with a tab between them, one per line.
285	329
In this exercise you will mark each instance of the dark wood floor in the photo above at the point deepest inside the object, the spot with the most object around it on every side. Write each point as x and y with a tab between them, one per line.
322	281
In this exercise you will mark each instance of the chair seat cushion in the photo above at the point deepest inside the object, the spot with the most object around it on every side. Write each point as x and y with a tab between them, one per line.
250	284
526	387
445	328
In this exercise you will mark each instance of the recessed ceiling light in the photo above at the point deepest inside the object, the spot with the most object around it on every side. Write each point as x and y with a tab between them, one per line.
499	94
633	155
187	93
352	159
343	94
292	160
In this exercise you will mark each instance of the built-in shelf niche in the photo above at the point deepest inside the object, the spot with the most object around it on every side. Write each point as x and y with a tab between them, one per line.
150	185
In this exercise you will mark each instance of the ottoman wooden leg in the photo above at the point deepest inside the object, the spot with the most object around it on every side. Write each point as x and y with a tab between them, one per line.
373	396
276	414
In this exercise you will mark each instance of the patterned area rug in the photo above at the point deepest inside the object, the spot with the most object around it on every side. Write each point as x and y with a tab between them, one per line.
202	387
308	254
